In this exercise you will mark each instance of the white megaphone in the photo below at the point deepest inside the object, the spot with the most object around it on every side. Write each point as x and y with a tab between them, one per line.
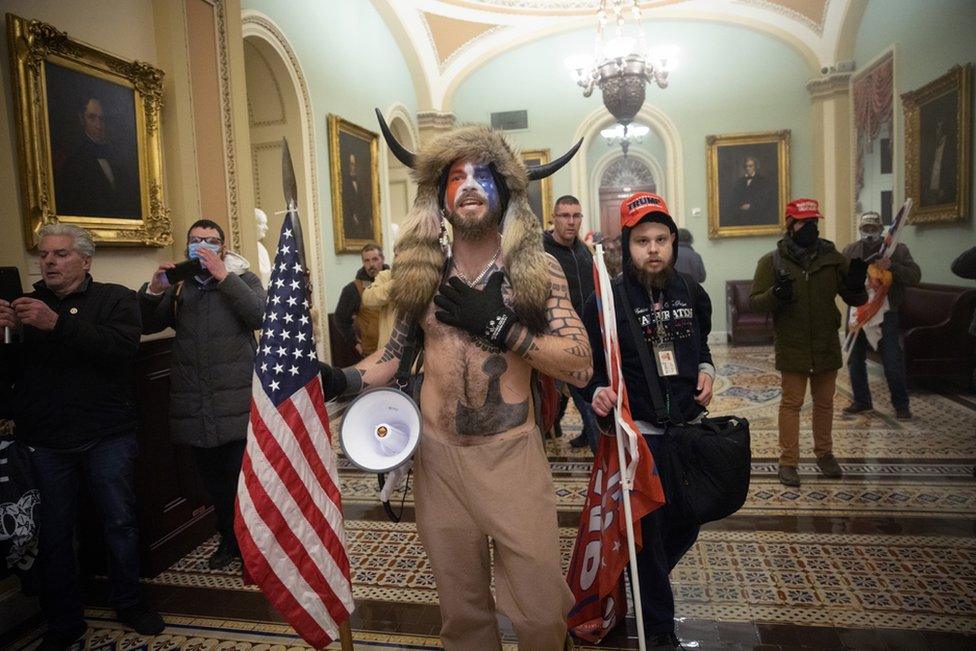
380	430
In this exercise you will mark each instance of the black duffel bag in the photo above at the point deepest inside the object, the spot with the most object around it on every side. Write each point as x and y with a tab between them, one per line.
706	468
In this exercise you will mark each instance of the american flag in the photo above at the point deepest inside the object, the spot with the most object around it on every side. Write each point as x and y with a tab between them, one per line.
289	512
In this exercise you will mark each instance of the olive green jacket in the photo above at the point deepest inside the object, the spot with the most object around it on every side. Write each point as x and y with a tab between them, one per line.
807	336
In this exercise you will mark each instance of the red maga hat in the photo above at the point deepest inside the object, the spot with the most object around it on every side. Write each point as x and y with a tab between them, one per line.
803	209
637	206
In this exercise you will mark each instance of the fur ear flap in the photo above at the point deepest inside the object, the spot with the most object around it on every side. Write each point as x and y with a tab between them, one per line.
525	259
419	260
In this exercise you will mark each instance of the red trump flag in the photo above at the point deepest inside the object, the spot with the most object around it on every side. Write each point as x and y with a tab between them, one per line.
600	555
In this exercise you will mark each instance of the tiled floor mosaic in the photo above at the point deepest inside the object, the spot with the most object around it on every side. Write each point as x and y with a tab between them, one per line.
816	579
793	567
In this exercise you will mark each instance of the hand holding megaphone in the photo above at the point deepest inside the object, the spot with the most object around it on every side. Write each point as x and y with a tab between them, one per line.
380	430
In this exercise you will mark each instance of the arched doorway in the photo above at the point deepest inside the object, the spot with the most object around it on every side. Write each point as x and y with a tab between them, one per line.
279	107
623	176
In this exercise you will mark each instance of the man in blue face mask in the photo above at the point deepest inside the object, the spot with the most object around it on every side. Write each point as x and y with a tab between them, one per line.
904	273
798	283
214	314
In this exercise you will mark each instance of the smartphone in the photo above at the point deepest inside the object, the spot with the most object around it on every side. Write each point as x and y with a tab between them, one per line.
10	290
10	287
184	271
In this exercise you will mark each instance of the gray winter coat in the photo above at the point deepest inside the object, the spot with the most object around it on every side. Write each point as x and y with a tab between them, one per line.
213	354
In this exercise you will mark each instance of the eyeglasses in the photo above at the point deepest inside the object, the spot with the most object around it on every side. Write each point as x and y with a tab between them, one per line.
569	215
209	240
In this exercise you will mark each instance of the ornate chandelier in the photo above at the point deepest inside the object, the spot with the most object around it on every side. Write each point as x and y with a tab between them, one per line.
624	135
621	66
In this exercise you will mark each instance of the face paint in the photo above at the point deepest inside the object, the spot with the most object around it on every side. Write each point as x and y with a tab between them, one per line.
467	181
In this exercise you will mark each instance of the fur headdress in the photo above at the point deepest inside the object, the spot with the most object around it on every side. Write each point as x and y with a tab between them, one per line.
420	259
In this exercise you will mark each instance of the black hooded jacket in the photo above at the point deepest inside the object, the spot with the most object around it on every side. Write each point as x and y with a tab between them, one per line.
686	314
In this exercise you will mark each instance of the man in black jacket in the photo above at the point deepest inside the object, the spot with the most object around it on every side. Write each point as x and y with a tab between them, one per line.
674	315
564	244
214	314
74	409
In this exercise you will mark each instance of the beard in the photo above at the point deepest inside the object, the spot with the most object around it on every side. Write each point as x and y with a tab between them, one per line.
651	280
473	228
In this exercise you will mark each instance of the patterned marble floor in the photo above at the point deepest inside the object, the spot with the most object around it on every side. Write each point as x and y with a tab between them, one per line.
883	558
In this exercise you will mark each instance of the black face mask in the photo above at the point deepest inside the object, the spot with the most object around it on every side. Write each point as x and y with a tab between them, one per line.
806	234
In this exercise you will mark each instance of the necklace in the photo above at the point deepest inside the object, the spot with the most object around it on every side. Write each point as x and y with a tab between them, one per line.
484	272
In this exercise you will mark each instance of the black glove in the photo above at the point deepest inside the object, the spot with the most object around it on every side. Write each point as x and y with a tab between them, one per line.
481	312
334	381
783	287
857	272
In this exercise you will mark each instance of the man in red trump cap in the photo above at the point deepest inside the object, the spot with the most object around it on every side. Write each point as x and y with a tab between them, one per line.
674	316
798	283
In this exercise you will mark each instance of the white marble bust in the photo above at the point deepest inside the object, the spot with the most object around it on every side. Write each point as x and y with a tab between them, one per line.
264	260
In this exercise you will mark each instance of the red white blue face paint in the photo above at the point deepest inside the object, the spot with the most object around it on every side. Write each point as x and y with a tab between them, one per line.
469	184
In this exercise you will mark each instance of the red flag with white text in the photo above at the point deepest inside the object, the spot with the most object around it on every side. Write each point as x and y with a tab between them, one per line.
600	554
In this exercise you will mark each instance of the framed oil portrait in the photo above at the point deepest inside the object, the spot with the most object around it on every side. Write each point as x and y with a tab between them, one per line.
353	155
539	192
88	137
938	145
748	183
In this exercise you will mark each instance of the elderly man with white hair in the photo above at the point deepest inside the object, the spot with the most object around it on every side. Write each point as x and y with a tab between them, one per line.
74	409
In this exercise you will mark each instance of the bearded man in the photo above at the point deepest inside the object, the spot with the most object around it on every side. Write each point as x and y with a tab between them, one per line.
491	313
674	316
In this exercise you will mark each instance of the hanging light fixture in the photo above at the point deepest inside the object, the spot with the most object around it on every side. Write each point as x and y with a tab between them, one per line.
624	134
621	66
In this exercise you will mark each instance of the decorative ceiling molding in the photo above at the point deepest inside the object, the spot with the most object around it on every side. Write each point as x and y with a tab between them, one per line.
811	13
445	41
545	7
449	36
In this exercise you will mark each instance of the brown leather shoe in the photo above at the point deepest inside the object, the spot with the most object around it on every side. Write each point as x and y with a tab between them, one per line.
788	476
829	467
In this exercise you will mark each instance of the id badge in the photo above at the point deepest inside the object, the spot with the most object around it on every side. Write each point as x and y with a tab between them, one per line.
664	357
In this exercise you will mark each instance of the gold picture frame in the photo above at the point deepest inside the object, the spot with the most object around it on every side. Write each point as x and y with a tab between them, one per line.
938	144
88	138
740	204
539	193
355	203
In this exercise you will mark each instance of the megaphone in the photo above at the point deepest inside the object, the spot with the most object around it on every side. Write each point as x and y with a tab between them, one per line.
380	430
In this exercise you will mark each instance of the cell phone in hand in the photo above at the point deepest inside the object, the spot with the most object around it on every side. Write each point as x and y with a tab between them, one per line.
10	290
10	287
184	271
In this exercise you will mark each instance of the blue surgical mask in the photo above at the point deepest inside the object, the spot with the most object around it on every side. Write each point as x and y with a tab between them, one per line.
193	248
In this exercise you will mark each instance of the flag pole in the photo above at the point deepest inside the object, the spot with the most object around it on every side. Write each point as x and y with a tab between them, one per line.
345	636
626	472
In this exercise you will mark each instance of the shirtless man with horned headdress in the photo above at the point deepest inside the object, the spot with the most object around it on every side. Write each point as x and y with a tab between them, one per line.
492	313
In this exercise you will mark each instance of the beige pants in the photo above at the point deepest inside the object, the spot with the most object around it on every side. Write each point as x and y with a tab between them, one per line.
502	490
794	392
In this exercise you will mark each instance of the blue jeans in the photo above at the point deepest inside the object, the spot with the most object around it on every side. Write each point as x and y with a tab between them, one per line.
665	541
107	467
892	358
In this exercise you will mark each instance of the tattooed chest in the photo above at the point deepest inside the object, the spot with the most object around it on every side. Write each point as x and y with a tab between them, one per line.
471	388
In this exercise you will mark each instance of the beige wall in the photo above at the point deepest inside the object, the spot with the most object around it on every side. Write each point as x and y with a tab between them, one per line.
124	28
158	32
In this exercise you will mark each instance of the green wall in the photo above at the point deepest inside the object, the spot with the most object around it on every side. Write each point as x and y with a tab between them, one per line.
725	83
929	38
351	64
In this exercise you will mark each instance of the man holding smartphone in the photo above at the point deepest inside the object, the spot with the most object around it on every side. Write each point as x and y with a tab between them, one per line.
214	310
74	410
